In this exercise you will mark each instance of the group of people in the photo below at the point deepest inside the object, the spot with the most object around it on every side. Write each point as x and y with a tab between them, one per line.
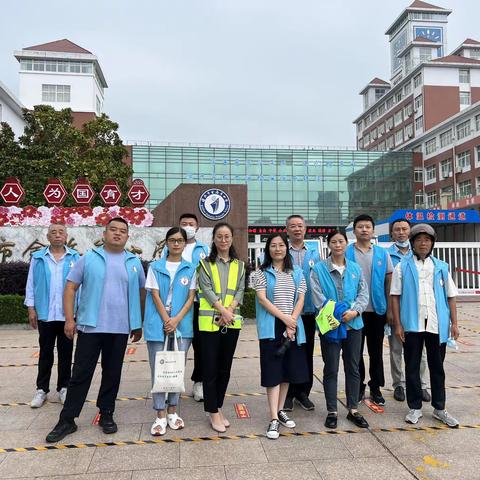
192	295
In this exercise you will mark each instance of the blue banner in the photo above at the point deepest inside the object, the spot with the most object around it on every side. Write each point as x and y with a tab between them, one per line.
437	216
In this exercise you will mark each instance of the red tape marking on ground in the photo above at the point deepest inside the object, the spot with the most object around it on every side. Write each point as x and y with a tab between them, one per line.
241	410
373	406
131	351
96	419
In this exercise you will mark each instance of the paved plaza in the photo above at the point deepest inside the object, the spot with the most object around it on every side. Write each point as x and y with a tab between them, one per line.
390	449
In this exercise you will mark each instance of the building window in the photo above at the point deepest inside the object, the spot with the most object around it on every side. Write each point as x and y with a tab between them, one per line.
446	138
365	101
430	174
446	168
366	139
417	80
446	195
389	142
398	97
477	122
418	199
463	130
464	98
389	103
431	199
75	67
381	109
409	131
398	119
465	189
418	102
425	54
478	185
399	137
55	93
464	76
381	146
379	93
39	65
389	123
430	146
98	105
381	129
374	134
419	123
408	110
477	154
418	174
463	162
26	64
408	89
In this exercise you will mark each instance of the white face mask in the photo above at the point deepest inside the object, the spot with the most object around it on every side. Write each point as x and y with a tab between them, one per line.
402	244
190	231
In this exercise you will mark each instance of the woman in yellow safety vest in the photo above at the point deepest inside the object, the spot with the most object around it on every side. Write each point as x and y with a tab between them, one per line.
221	281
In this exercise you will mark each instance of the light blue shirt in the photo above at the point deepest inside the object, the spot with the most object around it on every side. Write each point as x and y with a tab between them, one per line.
55	303
113	313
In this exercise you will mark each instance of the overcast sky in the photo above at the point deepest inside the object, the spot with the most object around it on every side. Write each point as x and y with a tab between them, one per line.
226	71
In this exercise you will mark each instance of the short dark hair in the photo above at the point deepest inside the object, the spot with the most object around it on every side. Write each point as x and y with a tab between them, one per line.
117	219
267	259
363	218
398	220
188	215
294	216
213	249
174	230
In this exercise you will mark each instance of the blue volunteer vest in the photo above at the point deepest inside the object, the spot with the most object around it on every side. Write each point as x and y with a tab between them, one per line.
350	280
396	256
153	324
265	320
42	275
409	297
379	271
92	288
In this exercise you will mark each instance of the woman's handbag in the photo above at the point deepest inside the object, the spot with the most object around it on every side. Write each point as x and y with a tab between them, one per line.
169	369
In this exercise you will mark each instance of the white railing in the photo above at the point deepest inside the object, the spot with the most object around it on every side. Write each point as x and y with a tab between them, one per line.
463	259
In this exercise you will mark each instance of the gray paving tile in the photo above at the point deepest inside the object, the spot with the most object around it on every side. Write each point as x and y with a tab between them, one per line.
221	453
91	476
45	463
278	470
135	457
197	473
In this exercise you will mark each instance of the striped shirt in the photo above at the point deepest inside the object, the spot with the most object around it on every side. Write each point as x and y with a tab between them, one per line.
284	292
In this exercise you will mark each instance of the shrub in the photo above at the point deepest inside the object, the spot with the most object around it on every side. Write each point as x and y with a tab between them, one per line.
13	278
248	308
12	309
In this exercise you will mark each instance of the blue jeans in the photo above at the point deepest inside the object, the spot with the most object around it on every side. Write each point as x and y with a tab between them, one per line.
153	348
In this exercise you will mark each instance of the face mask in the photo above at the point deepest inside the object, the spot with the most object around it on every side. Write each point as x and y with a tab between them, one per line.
190	232
402	244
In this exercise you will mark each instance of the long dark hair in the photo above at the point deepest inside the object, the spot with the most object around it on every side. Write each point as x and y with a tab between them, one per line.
267	259
232	253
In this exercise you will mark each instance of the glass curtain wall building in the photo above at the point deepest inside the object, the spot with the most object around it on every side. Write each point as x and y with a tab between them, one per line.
327	187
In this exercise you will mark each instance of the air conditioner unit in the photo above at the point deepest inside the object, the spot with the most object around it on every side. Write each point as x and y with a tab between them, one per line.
410	135
450	173
415	109
459	170
410	113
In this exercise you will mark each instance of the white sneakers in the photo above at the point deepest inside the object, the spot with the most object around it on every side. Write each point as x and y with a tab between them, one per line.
62	395
272	431
39	399
198	391
413	416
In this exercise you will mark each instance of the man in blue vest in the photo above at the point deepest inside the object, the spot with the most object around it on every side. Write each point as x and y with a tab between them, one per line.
305	257
377	269
400	233
424	314
110	307
194	252
46	280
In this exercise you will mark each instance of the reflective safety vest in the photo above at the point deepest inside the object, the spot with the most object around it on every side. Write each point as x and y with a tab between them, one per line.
207	313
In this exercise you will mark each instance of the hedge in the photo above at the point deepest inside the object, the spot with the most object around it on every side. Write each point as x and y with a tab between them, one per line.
13	278
12	309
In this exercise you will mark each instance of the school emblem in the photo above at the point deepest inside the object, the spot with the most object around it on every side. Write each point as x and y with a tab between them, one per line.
214	204
442	282
202	255
379	263
184	281
134	269
311	263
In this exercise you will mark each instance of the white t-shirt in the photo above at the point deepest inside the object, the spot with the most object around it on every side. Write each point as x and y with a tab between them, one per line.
172	267
427	312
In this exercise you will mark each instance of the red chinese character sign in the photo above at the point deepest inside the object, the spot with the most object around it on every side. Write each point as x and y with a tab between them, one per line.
138	193
110	193
55	193
83	193
12	192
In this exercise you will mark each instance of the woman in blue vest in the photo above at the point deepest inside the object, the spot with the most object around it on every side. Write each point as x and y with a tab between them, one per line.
341	280
280	288
171	284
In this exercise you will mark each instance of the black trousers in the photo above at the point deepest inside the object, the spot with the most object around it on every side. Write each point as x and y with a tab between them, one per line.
217	356
374	332
49	333
299	390
412	351
197	347
89	346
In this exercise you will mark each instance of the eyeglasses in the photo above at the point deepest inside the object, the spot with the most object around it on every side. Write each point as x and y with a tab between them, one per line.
176	241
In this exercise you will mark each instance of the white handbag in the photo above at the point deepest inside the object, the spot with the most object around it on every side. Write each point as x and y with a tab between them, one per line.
169	369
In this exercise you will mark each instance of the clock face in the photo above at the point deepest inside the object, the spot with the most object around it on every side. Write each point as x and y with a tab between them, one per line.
432	34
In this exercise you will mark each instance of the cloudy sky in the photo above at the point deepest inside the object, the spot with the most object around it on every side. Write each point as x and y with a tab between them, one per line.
226	71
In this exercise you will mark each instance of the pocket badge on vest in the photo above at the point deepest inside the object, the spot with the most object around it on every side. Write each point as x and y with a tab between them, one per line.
202	255
311	263
184	281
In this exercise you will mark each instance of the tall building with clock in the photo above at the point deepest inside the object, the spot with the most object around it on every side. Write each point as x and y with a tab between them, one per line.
430	105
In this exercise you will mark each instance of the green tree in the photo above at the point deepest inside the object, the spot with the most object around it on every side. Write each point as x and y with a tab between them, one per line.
51	147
